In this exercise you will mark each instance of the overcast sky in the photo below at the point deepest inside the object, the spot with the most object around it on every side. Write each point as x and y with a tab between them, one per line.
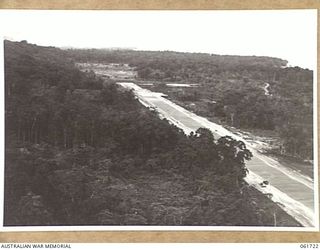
289	35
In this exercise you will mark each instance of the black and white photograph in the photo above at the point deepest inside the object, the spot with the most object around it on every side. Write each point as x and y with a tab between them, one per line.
159	120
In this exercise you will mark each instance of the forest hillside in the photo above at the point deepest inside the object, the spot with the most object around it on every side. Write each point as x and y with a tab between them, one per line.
81	151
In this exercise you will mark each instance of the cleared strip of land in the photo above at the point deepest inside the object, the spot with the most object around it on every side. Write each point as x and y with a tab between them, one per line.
293	191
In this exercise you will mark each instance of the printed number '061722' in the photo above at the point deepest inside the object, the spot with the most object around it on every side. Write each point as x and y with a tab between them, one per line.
309	246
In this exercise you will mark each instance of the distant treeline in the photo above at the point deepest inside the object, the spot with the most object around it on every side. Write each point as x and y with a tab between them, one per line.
179	66
77	148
